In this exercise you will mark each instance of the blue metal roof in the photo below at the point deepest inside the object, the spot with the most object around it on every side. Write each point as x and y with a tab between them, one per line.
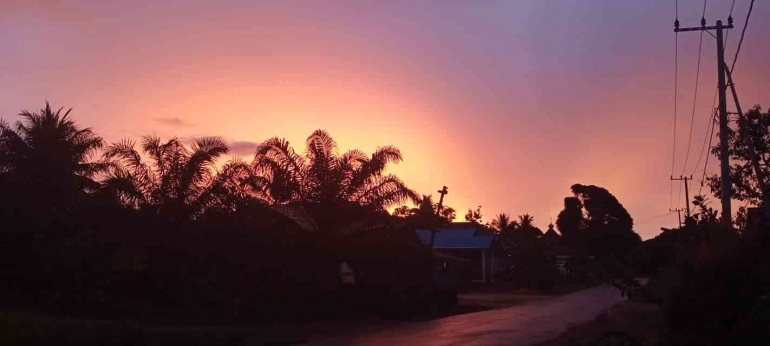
464	238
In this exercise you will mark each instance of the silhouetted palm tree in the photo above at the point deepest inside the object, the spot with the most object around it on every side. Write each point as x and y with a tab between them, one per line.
527	228
425	206
322	190
46	178
502	223
526	220
177	181
47	155
323	176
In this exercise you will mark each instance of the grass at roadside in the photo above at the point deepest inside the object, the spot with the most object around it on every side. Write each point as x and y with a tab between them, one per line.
24	328
626	323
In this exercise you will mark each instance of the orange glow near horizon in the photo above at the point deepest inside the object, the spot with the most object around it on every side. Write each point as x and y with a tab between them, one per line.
482	98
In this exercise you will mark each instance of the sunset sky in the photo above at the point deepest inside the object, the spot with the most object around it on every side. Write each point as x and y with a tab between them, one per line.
507	103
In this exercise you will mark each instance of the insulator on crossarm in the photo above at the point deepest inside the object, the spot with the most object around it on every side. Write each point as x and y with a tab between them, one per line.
730	20
676	24
703	21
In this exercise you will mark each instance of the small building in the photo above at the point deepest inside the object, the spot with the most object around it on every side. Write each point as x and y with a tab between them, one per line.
475	248
556	249
550	238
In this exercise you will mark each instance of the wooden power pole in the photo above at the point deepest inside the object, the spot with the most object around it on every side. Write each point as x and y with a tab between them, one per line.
678	213
444	191
724	157
686	193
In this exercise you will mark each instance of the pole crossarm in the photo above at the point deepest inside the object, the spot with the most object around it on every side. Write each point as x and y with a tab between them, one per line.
702	28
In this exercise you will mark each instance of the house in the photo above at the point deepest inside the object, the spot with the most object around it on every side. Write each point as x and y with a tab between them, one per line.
556	249
550	238
468	246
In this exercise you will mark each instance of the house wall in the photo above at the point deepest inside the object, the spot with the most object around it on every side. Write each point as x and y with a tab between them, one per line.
469	270
482	265
492	266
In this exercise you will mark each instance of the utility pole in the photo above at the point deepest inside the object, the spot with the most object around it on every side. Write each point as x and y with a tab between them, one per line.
679	213
724	157
444	191
744	130
686	193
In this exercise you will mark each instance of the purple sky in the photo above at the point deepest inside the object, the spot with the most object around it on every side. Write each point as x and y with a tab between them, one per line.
506	102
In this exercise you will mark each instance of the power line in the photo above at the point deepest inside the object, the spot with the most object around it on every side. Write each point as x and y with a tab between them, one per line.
653	217
743	33
723	124
711	137
695	97
731	9
711	120
694	104
709	123
676	89
732	68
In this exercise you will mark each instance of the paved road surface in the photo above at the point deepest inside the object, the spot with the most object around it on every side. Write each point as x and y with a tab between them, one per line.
526	324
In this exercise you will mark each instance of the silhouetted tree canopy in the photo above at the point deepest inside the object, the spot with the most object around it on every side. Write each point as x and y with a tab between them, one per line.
322	175
744	182
704	214
327	182
596	221
571	223
473	215
526	228
424	215
46	156
503	224
177	182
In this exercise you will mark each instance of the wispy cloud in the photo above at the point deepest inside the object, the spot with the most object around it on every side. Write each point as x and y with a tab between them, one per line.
174	121
243	148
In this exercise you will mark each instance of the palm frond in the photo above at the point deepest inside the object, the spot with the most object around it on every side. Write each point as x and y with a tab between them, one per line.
121	183
276	161
214	146
226	190
280	152
354	158
125	153
386	191
383	156
502	222
320	143
297	214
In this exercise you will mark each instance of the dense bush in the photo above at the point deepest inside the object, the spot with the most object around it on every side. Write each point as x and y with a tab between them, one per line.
710	283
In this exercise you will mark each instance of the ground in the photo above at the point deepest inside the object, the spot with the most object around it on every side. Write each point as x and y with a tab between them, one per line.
476	303
525	324
634	323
